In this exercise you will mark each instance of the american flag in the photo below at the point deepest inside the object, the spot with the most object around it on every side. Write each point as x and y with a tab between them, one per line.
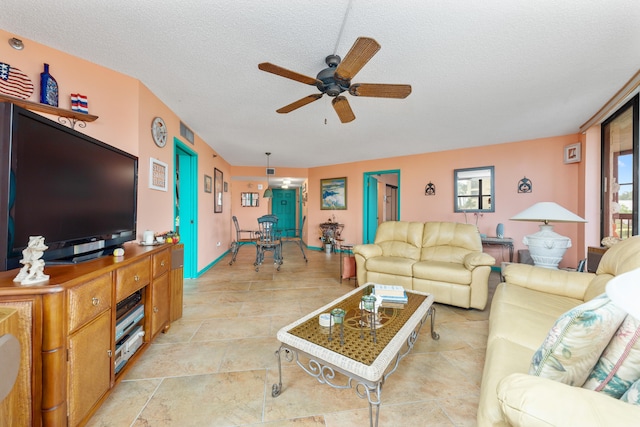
14	82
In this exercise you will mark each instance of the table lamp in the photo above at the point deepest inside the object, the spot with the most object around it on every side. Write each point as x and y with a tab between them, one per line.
624	291
546	246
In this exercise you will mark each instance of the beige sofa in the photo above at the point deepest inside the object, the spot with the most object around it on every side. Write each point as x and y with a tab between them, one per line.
441	258
523	310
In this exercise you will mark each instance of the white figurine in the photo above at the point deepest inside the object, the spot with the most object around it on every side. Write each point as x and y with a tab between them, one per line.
33	267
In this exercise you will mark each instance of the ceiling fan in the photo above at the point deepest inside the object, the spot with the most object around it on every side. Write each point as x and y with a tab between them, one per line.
337	79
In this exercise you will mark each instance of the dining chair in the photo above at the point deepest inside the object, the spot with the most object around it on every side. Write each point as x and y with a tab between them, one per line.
243	237
295	235
268	239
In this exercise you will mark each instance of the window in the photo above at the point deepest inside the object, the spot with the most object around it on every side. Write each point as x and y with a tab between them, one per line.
249	199
474	190
620	172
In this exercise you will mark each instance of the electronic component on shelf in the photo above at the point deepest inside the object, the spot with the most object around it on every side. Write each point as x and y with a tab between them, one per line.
126	323
127	347
128	303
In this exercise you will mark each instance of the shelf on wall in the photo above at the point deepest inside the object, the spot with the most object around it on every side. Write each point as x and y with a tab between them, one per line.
73	116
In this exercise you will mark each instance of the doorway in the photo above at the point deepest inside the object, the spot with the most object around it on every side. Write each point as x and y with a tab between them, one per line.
283	205
186	205
381	201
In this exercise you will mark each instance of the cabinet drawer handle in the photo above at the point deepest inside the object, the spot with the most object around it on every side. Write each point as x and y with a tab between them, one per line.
95	301
136	278
109	353
162	263
155	309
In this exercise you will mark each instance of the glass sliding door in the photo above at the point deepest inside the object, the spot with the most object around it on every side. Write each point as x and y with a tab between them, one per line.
620	172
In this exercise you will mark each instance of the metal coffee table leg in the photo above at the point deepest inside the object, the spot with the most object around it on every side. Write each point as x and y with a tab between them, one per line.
432	313
276	389
325	374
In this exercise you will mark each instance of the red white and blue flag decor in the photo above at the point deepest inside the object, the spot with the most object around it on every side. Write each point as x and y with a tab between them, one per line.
14	82
79	103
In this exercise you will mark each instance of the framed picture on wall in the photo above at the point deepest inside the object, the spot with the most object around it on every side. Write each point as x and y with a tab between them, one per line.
217	190
158	175
333	194
572	153
207	184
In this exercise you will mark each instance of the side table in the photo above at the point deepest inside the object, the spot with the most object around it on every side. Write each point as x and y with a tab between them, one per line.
594	254
348	262
505	242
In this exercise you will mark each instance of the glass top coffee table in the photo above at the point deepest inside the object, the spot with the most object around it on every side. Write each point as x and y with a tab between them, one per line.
365	348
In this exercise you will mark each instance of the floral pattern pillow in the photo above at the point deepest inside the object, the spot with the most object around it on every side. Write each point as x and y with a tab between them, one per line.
619	365
576	341
633	394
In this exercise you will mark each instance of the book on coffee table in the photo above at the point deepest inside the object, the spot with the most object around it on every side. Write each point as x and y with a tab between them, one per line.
391	293
389	290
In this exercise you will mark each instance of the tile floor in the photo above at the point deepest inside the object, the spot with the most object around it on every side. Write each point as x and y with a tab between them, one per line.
216	365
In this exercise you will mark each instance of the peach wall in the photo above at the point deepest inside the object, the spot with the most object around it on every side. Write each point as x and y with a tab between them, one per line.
592	158
540	160
152	214
113	97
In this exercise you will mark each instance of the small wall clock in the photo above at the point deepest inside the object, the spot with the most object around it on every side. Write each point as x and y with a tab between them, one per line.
159	132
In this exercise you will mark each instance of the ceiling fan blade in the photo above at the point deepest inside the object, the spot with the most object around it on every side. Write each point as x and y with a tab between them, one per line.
360	53
380	90
342	107
299	103
283	72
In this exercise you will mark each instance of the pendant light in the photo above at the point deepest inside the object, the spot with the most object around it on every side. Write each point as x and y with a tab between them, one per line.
268	193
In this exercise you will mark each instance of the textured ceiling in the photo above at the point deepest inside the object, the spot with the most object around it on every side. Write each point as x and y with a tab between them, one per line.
482	72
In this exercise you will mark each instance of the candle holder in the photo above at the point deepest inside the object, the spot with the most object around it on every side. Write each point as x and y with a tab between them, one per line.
337	317
368	311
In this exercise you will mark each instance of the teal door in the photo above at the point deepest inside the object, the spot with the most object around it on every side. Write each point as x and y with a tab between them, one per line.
370	202
371	209
283	205
186	205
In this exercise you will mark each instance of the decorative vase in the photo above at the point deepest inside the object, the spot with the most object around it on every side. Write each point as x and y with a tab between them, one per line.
547	247
48	88
500	231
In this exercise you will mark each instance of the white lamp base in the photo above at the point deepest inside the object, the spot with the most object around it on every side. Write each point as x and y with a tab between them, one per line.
547	247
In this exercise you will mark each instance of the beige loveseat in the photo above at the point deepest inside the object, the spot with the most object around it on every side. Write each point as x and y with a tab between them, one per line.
441	258
523	310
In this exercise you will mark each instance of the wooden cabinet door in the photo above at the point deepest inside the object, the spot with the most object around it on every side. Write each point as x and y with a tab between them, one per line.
160	295
90	364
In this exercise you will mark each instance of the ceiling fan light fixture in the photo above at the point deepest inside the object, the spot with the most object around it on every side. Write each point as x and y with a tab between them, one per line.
15	43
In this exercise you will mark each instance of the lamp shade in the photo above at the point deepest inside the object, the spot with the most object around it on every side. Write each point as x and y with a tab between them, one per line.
547	212
624	291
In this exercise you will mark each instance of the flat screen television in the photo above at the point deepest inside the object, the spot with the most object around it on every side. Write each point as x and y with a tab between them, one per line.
77	192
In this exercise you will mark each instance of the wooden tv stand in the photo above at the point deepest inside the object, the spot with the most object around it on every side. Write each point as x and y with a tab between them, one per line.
67	330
